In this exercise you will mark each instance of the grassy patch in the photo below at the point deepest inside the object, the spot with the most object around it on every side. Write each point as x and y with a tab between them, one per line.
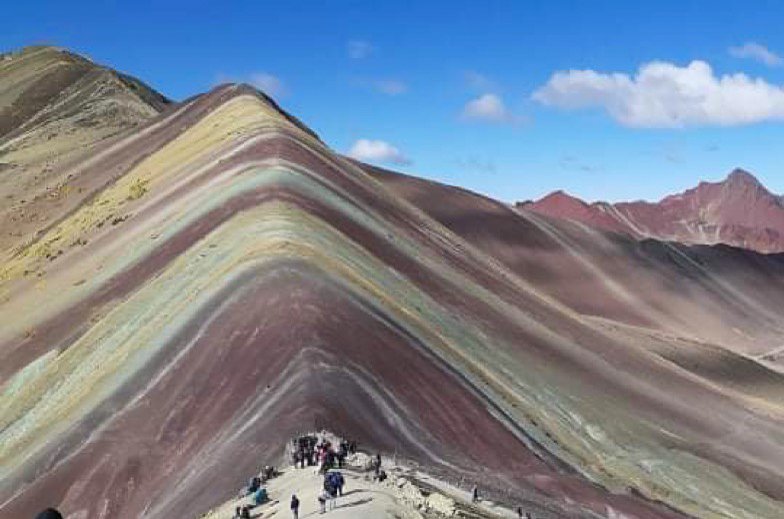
138	189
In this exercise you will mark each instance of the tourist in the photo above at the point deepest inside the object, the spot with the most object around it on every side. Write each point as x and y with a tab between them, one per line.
260	496
336	482
342	453
253	485
295	507
330	458
474	494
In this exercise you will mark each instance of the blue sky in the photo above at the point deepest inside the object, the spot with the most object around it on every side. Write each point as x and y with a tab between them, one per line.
465	92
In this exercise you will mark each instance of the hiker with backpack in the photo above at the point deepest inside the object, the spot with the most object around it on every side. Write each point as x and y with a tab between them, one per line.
330	489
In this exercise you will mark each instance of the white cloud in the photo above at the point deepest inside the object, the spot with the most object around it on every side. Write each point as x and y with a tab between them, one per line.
377	151
359	49
269	84
757	52
664	95
487	108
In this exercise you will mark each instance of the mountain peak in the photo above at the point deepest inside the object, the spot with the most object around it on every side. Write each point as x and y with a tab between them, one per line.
56	74
742	177
562	196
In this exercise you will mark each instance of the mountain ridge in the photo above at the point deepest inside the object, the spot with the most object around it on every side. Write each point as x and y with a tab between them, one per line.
56	109
737	211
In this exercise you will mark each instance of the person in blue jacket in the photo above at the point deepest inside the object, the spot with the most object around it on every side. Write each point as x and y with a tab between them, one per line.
260	496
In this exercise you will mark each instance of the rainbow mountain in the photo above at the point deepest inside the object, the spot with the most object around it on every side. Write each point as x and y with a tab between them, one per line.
186	286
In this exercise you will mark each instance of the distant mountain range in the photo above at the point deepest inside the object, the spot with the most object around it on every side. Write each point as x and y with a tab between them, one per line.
737	211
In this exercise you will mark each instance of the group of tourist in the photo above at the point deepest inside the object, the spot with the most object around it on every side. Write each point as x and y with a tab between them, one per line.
256	489
333	487
310	451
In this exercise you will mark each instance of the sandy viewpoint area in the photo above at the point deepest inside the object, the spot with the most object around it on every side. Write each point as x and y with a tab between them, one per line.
400	496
